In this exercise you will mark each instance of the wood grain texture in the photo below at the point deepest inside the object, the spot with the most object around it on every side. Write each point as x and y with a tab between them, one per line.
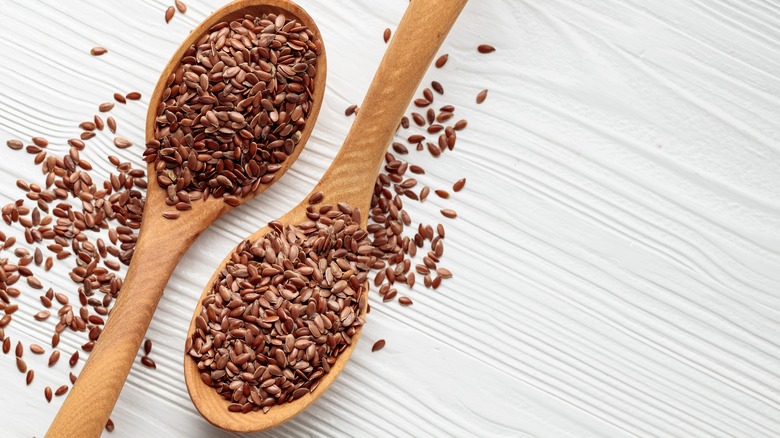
629	149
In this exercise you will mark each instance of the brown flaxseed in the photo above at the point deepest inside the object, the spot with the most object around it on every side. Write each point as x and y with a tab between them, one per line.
169	14
378	345
441	60
485	48
148	362
481	96
449	213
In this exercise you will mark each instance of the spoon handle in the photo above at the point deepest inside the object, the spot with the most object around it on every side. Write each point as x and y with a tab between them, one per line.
421	32
161	244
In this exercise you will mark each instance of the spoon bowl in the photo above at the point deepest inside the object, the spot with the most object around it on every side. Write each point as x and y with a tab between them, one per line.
350	179
161	244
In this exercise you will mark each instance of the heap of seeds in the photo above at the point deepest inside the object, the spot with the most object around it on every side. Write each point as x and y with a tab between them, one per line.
234	109
283	309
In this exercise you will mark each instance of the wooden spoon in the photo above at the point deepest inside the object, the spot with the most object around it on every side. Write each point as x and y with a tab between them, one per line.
349	179
161	243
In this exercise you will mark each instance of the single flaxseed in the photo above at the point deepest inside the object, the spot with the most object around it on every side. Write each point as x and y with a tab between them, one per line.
54	357
449	213
148	362
316	198
169	14
180	6
387	34
378	345
122	142
111	122
97	51
15	144
485	48
481	96
441	60
171	214
442	194
74	358
61	390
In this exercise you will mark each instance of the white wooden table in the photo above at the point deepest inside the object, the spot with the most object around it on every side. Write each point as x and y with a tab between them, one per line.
617	250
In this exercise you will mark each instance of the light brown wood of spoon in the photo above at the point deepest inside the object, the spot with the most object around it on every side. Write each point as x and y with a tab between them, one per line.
161	244
349	179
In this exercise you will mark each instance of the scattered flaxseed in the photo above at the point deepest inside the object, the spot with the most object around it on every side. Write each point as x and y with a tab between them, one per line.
122	142
442	194
459	184
449	213
74	359
481	96
378	345
148	362
169	14
485	48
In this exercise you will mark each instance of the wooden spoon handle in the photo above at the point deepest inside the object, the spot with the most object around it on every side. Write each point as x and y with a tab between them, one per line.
412	48
160	246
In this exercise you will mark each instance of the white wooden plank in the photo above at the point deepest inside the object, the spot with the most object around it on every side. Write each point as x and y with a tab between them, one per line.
617	247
